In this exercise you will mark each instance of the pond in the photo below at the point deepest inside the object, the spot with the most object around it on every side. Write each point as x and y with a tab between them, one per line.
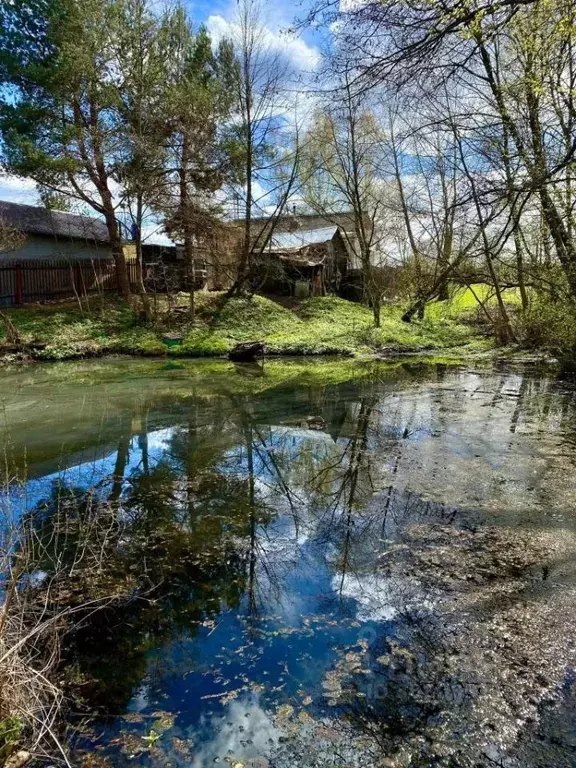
330	563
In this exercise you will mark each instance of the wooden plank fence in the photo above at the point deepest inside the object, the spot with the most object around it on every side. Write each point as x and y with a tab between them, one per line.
37	281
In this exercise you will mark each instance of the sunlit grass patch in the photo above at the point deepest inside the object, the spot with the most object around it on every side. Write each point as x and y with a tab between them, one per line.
319	326
464	301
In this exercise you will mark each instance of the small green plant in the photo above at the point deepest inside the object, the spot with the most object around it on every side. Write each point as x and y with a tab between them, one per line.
10	733
151	738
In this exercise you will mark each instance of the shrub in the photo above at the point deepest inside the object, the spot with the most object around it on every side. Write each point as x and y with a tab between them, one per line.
549	325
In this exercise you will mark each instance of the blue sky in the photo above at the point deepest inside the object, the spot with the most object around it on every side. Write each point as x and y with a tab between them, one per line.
277	15
303	49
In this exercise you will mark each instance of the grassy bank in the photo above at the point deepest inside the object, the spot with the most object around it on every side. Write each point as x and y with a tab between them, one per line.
326	325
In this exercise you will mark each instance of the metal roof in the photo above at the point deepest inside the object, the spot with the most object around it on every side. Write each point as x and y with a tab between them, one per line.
32	220
295	241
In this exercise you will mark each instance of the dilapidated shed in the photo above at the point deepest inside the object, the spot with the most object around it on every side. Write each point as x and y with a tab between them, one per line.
308	261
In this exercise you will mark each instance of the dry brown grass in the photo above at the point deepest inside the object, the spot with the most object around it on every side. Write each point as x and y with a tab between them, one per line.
46	571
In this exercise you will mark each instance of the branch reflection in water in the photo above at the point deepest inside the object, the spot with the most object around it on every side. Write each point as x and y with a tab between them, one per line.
337	561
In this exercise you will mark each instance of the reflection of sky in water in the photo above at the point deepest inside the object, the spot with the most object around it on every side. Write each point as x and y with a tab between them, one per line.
244	730
95	475
317	587
279	650
274	652
304	610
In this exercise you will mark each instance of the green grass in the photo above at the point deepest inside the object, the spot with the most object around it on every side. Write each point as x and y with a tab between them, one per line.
326	325
463	301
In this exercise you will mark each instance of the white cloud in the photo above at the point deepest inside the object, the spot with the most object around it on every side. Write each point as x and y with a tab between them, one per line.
17	190
246	732
372	592
303	56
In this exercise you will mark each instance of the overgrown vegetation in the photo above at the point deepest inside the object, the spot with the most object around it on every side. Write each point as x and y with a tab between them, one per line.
323	325
52	562
447	132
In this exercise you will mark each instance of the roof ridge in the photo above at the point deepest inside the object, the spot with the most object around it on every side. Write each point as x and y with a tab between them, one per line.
38	220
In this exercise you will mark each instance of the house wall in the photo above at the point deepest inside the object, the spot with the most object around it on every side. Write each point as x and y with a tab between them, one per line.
38	248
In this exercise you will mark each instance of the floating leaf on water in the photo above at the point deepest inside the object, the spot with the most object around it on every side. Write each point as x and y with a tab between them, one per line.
284	712
230	696
133	717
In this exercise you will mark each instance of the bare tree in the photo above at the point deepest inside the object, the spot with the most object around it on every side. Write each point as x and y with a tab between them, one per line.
342	174
512	64
264	143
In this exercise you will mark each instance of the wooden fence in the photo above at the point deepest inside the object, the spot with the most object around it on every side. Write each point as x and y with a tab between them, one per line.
29	281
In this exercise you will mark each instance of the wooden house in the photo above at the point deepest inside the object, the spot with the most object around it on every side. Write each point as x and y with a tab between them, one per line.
54	235
307	254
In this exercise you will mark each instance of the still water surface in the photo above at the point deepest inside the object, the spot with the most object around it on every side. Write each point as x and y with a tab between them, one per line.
324	564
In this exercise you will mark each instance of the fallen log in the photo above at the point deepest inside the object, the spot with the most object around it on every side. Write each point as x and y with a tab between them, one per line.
247	352
33	346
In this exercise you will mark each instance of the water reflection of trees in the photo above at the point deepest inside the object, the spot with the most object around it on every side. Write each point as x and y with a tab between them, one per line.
245	487
181	536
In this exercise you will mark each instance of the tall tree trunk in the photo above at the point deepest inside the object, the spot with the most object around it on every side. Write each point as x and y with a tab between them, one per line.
559	229
185	224
535	165
520	268
118	254
547	252
100	178
449	206
377	314
447	241
420	293
505	333
371	287
189	259
245	259
140	260
515	220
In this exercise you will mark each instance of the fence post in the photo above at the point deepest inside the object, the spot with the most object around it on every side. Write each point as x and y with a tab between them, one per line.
19	285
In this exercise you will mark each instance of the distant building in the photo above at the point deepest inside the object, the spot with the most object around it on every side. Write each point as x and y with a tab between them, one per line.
54	235
64	254
309	260
310	254
60	255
